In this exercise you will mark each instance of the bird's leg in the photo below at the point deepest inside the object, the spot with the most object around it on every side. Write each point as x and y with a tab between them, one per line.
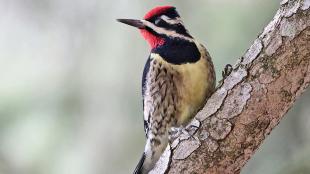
175	132
191	128
186	132
227	70
225	73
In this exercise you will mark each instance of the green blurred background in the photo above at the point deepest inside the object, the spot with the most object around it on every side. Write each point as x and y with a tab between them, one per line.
70	83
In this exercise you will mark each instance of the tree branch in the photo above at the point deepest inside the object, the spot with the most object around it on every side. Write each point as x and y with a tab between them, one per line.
251	101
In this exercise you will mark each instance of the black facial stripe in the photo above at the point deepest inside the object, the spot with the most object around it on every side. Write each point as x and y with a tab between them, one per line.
164	24
178	28
153	32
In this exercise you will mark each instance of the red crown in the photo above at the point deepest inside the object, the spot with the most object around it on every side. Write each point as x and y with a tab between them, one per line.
156	11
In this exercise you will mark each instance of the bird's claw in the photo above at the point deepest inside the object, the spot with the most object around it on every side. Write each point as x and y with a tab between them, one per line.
227	70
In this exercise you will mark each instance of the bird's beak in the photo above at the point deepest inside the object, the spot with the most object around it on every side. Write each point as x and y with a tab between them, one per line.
132	22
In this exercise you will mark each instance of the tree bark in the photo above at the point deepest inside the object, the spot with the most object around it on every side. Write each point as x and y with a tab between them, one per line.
250	102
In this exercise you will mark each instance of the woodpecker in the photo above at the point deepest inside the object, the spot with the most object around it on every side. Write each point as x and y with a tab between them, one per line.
177	80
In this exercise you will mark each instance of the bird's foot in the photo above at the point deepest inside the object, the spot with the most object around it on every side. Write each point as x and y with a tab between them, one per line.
183	133
225	73
175	132
227	70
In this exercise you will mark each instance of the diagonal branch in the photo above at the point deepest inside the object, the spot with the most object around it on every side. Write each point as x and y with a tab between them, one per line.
262	87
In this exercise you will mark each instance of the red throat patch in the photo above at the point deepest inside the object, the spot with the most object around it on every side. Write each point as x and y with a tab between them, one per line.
154	41
156	11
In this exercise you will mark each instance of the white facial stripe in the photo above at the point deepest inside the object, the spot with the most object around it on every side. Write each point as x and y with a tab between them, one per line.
171	21
160	30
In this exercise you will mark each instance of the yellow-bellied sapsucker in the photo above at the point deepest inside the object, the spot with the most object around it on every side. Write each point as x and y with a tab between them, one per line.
178	78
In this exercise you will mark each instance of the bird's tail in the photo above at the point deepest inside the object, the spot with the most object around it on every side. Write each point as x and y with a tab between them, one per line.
139	168
153	150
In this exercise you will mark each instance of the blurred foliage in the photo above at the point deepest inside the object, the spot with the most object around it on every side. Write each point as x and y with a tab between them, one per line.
71	81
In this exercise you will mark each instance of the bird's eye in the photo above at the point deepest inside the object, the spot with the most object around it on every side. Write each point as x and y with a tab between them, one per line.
157	21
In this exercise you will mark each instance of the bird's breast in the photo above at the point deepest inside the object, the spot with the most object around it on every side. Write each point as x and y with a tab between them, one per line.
193	84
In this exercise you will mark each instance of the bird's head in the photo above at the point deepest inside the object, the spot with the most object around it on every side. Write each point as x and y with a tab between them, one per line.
160	24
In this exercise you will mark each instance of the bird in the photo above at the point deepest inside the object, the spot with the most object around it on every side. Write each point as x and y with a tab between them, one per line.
177	79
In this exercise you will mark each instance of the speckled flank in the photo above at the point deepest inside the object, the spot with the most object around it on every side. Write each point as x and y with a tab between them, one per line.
160	96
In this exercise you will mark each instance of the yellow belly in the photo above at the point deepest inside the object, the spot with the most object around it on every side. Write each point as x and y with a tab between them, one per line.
193	87
193	90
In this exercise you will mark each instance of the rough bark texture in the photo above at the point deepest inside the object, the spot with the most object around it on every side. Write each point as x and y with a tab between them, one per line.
262	87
